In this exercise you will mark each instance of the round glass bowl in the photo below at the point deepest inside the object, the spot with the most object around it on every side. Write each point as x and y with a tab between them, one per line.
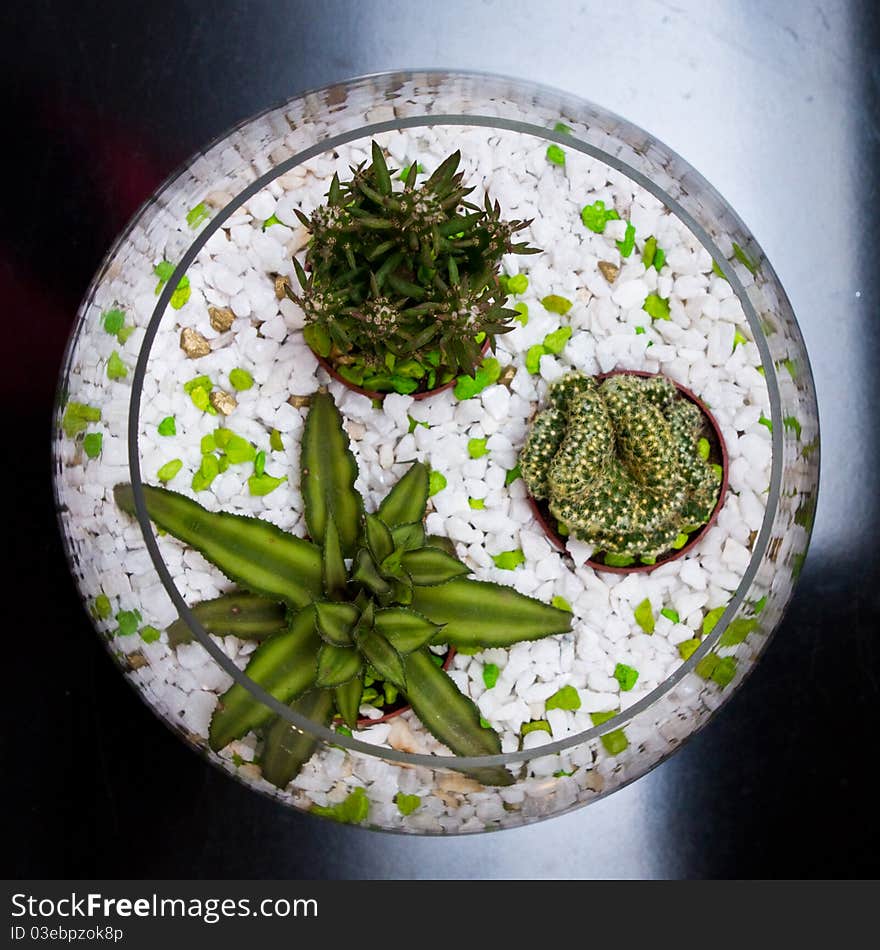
140	400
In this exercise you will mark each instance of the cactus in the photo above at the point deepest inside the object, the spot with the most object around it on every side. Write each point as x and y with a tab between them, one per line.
619	465
366	596
400	287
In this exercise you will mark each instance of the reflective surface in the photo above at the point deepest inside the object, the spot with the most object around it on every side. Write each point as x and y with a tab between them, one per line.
780	115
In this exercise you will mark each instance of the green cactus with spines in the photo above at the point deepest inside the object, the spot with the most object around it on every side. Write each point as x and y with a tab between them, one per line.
410	275
366	594
618	463
585	449
563	391
545	437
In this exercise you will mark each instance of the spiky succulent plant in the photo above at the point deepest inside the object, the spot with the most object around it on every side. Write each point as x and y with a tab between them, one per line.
400	286
368	592
623	464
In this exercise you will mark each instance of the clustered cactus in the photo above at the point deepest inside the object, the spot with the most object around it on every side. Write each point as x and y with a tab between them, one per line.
366	596
400	287
623	464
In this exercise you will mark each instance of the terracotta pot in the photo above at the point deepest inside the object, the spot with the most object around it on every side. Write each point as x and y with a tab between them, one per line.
372	394
364	722
717	451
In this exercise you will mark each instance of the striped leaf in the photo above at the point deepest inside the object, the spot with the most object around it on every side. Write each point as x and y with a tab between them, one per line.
257	555
284	665
450	716
286	749
237	614
429	566
328	471
405	503
478	614
404	629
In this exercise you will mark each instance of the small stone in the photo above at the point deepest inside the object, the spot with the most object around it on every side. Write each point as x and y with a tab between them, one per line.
506	377
593	781
136	660
456	782
450	800
282	285
250	770
609	271
223	402
218	199
193	343
221	318
300	402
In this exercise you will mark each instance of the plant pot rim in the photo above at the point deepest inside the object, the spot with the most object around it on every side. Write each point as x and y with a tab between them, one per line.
364	722
543	518
328	367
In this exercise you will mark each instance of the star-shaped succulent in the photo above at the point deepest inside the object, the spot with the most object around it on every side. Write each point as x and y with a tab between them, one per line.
368	593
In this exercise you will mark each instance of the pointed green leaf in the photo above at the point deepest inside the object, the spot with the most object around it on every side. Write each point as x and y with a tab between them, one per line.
438	541
336	622
334	573
450	716
390	566
378	538
348	700
287	749
402	592
406	630
382	656
367	615
284	665
337	665
380	171
405	503
328	475
429	566
237	614
445	170
256	554
366	573
478	614
317	337
408	537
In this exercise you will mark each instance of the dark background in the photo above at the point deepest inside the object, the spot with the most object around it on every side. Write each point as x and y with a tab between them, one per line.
775	103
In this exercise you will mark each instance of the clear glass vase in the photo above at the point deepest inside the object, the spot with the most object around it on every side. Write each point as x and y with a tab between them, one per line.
124	364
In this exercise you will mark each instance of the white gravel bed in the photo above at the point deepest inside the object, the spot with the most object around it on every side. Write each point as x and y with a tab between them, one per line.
705	345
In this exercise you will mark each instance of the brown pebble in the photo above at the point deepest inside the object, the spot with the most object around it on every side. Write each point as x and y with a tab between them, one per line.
221	318
282	285
593	781
250	770
609	271
218	199
449	799
507	376
300	402
456	782
223	402
136	660
193	343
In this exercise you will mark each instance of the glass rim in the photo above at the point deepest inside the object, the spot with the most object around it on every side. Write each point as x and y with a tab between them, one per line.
571	140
